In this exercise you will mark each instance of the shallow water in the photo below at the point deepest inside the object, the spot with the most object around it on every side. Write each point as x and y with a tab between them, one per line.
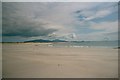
101	44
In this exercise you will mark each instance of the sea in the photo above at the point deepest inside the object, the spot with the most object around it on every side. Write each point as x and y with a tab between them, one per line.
97	44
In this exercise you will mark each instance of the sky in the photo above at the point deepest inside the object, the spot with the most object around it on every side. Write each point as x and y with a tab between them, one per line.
71	21
59	0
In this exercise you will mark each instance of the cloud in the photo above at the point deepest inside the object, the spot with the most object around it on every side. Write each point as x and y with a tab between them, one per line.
100	11
16	24
105	30
25	28
107	27
59	20
35	19
60	0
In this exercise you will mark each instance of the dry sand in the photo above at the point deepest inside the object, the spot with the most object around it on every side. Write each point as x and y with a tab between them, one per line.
0	60
31	60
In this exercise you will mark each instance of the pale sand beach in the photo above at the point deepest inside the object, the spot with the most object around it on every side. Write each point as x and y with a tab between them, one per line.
0	60
33	60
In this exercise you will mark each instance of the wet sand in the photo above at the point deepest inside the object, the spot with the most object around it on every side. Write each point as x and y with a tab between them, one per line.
33	60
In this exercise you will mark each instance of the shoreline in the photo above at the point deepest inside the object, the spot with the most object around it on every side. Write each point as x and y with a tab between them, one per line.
51	44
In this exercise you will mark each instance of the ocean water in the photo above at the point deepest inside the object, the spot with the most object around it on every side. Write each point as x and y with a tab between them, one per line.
101	44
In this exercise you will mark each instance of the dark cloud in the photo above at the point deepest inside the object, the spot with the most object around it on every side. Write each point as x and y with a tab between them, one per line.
78	11
25	28
17	24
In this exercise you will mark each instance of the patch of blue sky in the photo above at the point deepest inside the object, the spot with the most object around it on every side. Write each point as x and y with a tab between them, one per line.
81	17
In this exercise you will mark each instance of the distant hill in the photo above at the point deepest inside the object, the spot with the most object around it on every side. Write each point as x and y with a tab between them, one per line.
42	40
57	40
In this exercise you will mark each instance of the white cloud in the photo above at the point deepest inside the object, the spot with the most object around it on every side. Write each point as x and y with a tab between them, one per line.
99	14
107	27
108	30
97	37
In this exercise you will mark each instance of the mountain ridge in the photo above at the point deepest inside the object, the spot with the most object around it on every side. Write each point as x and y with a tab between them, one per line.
43	40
